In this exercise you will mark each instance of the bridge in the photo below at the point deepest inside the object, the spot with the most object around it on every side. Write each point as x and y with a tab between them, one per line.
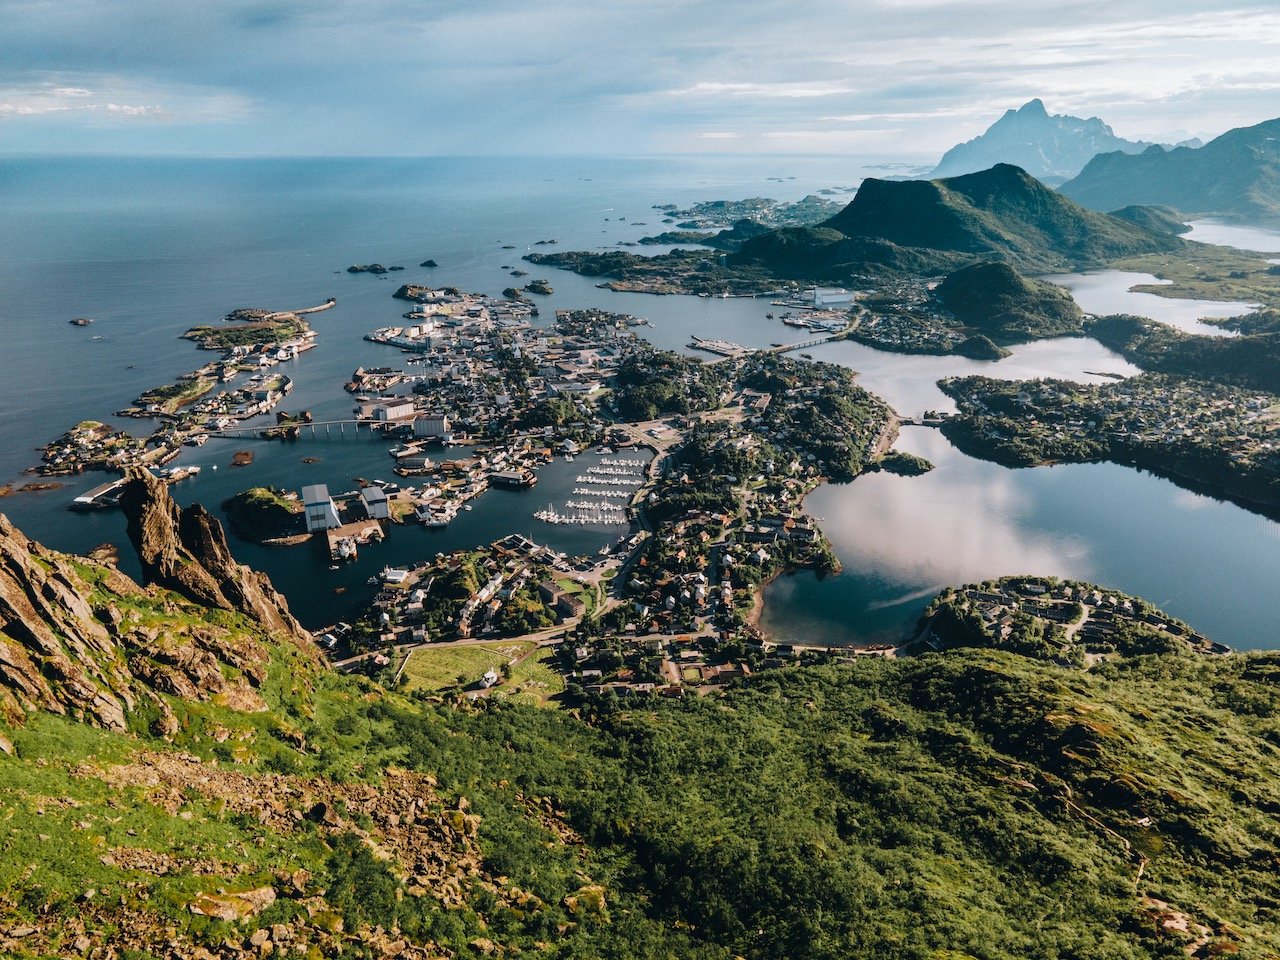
256	431
803	344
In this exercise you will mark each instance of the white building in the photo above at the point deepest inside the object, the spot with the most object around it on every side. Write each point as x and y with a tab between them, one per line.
376	504
825	298
320	511
394	410
432	425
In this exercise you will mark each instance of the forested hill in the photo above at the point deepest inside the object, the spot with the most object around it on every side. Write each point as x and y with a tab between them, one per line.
1236	174
934	226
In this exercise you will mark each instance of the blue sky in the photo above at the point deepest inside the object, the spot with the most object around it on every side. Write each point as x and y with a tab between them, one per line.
642	77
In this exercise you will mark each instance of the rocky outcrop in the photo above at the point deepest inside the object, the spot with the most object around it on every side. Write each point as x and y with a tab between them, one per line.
79	638
55	654
186	551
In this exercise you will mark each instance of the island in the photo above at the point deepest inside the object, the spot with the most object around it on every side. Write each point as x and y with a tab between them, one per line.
1210	437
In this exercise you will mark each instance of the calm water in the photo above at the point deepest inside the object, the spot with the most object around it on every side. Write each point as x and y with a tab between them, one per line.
1236	235
1108	291
901	539
150	247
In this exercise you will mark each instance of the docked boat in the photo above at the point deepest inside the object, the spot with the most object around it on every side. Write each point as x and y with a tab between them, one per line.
199	440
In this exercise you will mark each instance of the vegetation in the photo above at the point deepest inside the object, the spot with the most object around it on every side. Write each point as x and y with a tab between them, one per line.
680	271
974	804
171	397
650	384
1157	219
902	463
1251	360
440	668
923	227
263	513
249	328
1206	436
1207	272
993	300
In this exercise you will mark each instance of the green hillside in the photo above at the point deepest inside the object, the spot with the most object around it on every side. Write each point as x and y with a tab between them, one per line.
1155	219
1237	175
1249	360
183	782
937	225
992	299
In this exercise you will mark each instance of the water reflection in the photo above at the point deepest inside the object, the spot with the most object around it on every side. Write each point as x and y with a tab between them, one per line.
1108	291
902	538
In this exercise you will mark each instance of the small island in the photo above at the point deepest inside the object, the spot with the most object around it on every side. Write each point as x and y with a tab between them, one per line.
266	515
902	464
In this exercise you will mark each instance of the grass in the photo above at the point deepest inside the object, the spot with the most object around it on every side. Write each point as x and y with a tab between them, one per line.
535	680
172	397
438	668
1211	273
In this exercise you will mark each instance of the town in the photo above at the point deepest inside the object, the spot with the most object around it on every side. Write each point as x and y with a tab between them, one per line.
717	511
1076	624
1222	438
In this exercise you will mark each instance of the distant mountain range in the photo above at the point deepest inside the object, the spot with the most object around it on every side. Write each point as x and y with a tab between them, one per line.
1050	148
1236	175
924	226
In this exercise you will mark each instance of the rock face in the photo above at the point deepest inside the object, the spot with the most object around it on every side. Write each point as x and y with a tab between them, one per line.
79	638
186	551
1050	148
55	654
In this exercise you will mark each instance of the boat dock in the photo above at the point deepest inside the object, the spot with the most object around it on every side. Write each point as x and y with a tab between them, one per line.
344	540
723	348
101	497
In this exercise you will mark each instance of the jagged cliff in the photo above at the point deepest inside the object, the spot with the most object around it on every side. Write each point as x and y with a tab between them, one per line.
186	551
79	638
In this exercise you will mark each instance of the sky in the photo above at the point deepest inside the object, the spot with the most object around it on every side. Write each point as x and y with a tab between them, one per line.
905	78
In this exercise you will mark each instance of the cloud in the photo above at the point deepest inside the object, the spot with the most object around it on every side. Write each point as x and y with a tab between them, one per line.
395	76
107	99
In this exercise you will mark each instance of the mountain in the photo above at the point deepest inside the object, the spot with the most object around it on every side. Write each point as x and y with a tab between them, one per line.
1155	219
994	300
1235	175
183	779
81	639
1050	148
939	225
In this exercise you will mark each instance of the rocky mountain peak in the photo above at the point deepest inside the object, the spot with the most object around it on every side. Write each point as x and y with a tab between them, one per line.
1051	147
185	550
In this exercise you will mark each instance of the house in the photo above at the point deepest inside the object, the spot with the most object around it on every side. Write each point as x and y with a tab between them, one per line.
376	504
489	679
319	508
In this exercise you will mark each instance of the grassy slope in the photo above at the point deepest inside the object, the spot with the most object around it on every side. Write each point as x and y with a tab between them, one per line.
974	802
994	300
